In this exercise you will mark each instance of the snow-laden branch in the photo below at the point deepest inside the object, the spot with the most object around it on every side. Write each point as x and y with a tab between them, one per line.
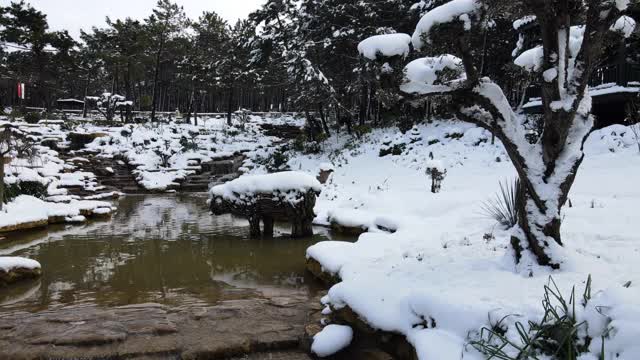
387	45
463	11
433	75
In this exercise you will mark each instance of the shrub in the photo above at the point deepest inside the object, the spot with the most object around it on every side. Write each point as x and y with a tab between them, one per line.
437	173
395	147
31	188
362	130
558	335
188	144
277	161
299	143
32	117
504	208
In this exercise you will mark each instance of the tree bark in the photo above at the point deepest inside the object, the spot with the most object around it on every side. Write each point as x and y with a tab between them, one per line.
1	181
230	106
325	127
156	75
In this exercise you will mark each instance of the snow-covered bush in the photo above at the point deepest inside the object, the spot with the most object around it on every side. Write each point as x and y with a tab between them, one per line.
437	172
164	151
415	136
32	117
107	104
14	143
277	161
394	147
31	188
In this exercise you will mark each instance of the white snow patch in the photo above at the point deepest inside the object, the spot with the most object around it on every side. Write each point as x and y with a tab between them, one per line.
331	340
387	45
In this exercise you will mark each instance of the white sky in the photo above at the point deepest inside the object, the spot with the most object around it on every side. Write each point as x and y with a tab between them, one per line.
74	15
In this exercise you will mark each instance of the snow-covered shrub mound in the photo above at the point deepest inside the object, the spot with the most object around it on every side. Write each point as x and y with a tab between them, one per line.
613	138
395	146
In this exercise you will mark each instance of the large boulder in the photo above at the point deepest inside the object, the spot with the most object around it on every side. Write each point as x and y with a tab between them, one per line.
287	195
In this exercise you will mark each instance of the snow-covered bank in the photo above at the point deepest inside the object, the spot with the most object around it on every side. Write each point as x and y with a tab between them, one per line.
26	212
447	271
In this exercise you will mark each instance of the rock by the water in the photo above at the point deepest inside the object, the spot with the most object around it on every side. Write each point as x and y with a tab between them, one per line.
14	269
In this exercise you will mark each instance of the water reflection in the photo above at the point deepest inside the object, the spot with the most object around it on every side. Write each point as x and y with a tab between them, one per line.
164	249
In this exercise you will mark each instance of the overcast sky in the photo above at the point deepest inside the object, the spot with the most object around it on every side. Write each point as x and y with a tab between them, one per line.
74	15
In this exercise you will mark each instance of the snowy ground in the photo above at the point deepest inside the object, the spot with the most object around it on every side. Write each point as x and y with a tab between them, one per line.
450	263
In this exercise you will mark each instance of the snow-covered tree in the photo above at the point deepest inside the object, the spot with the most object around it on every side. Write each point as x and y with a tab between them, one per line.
13	143
573	36
108	104
166	23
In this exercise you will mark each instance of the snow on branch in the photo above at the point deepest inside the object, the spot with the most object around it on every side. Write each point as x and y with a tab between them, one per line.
455	10
387	45
532	60
624	26
431	75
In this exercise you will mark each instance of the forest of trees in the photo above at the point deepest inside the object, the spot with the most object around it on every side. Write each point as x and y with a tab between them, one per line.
287	56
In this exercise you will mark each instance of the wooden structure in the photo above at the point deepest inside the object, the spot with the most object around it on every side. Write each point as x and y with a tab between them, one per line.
70	104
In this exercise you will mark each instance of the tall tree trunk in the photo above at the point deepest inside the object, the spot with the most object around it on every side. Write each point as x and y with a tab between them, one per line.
325	127
127	88
156	75
195	109
364	102
1	181
230	106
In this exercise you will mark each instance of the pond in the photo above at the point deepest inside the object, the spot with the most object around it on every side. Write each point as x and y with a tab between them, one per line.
160	249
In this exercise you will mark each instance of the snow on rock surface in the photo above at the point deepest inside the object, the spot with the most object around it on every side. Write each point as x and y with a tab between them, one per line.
387	45
8	263
331	340
28	209
440	265
282	183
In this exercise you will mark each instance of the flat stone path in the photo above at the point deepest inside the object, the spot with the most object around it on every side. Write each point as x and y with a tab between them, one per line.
261	328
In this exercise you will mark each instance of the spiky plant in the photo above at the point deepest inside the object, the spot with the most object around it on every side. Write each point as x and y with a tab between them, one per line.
504	207
556	336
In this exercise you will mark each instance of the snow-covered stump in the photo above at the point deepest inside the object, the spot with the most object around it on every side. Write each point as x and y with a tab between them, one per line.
264	198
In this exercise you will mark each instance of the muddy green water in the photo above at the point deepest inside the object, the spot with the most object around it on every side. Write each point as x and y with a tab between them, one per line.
164	249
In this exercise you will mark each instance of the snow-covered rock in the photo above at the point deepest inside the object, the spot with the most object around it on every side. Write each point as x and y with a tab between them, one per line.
288	184
331	340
